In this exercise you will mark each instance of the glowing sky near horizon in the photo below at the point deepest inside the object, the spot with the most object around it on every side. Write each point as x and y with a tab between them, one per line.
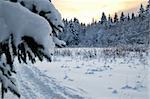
86	10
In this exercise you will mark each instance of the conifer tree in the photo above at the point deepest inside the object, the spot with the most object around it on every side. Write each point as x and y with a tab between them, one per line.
141	12
133	16
110	21
103	18
32	42
148	8
128	17
116	18
122	17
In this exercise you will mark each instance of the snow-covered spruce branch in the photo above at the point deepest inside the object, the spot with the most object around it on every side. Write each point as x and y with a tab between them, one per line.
28	30
7	68
44	8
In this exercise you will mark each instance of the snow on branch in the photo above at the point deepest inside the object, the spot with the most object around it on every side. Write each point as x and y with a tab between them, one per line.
27	30
45	9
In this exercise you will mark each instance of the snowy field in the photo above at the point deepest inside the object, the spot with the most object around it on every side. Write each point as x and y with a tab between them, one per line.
86	74
101	73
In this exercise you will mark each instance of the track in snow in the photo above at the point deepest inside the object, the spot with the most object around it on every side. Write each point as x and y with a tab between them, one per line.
33	84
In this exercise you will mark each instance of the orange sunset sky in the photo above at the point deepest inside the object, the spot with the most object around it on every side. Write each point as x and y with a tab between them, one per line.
86	10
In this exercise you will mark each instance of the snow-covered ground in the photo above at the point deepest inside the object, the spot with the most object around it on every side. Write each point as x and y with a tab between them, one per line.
101	76
86	74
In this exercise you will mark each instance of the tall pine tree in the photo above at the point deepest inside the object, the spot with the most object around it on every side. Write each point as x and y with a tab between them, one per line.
122	17
141	12
116	18
128	17
103	18
110	21
148	8
133	16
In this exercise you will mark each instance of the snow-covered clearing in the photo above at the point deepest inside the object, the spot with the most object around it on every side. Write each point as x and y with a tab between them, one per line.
99	76
86	74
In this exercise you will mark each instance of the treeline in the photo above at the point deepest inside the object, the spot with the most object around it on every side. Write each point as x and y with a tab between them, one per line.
109	31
